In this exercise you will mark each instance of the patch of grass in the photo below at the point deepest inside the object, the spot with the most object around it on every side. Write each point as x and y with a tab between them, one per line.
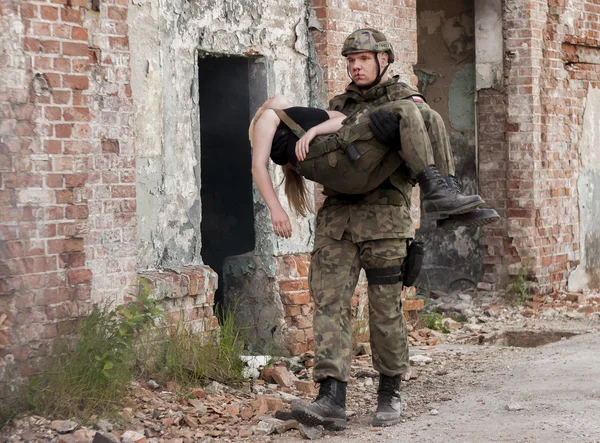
518	290
11	395
90	375
191	358
433	320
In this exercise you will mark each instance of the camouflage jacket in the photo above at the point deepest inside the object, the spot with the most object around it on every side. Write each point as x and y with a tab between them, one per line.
397	189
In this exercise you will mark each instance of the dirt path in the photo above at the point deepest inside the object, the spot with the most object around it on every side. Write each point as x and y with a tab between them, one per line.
504	394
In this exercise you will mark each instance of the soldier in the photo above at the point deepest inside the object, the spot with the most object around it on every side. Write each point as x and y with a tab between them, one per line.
369	231
358	156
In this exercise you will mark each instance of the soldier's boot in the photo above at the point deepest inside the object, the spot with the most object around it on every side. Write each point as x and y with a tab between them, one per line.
439	200
328	409
389	403
476	217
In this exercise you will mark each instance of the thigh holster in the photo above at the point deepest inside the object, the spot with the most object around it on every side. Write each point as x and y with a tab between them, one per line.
384	276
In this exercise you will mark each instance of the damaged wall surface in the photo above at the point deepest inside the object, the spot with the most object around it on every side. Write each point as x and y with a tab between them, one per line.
447	79
168	38
587	273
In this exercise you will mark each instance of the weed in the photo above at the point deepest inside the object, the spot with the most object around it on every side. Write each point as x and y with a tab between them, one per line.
190	358
519	290
92	375
433	320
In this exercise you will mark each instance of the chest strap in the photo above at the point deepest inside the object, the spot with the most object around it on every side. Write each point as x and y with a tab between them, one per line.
294	127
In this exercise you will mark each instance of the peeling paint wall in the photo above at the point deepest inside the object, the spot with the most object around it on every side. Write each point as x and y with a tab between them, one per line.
587	274
166	40
489	44
446	73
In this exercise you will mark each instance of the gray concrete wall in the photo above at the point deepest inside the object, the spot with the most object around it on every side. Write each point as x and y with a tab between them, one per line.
166	40
446	71
587	273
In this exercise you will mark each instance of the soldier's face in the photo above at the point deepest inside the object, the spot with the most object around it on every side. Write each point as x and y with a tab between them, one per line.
362	67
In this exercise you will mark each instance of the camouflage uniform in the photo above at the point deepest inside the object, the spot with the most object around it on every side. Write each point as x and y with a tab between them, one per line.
354	102
367	231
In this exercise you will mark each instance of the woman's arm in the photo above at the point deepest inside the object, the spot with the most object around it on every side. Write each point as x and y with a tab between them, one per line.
264	131
327	127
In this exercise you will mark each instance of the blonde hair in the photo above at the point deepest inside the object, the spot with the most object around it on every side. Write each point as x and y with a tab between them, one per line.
295	191
294	184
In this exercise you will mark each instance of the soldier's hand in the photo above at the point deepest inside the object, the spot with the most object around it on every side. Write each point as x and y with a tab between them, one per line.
302	145
385	126
281	224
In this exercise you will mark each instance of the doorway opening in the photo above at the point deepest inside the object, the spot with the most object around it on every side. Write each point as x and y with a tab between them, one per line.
226	180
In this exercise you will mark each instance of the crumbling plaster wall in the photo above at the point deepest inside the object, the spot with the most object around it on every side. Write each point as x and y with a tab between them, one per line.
587	273
446	73
166	40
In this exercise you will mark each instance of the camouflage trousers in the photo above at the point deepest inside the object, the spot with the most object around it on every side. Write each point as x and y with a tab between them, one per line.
438	136
423	135
334	273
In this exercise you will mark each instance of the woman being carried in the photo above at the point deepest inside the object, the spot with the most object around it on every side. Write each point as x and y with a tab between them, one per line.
359	154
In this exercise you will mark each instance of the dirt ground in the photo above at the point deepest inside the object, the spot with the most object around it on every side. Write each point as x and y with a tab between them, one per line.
496	394
496	378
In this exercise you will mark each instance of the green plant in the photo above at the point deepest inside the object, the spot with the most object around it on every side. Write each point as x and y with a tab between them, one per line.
519	289
91	375
187	357
12	398
433	320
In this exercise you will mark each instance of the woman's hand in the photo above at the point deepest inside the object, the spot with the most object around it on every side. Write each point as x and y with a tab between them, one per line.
281	224
302	144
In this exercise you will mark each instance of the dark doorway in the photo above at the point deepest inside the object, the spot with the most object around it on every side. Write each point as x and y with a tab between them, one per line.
226	180
446	72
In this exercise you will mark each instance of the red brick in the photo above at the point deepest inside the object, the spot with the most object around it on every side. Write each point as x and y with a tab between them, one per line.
110	146
75	180
54	180
70	15
78	276
49	13
61	97
79	212
295	298
76	260
115	13
42	29
77	147
62	64
76	114
293	285
123	191
64	196
65	245
52	113
29	11
63	130
50	46
60	30
120	43
31	44
78	33
75	49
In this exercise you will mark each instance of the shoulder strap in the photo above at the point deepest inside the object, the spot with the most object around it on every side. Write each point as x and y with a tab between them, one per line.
295	127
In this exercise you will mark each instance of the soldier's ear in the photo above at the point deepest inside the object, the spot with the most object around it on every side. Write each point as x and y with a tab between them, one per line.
384	58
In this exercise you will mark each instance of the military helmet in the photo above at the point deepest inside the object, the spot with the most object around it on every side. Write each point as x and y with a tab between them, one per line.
367	40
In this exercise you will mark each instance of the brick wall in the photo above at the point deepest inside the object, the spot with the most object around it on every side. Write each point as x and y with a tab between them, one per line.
535	184
395	18
67	205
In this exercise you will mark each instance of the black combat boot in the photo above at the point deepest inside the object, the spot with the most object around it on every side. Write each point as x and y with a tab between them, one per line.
389	403
328	409
476	217
439	200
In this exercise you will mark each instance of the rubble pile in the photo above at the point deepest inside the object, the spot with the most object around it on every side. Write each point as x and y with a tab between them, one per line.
258	410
